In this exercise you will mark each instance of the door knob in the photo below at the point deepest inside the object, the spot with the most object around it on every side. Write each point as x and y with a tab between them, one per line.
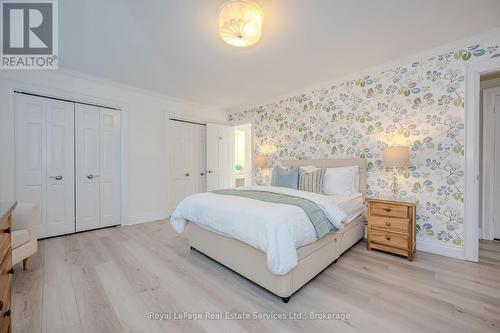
210	171
202	173
187	174
56	177
92	176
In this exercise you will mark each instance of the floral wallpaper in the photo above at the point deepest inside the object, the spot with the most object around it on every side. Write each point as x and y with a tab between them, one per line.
420	105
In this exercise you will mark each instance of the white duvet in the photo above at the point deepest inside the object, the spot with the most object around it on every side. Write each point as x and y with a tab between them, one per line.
276	229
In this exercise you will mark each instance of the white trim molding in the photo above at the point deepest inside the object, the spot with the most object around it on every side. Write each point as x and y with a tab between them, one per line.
472	152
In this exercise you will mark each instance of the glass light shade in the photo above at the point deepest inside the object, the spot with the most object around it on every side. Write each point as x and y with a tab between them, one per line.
240	23
397	156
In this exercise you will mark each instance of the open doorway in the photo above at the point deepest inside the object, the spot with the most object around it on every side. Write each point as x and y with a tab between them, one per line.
243	155
490	156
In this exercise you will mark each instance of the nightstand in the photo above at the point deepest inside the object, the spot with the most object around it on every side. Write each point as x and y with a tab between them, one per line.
392	225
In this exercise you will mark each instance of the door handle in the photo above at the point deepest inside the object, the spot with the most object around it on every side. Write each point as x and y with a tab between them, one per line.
210	171
202	173
56	177
187	174
92	176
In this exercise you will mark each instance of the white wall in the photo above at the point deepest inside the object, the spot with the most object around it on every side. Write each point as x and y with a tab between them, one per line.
144	114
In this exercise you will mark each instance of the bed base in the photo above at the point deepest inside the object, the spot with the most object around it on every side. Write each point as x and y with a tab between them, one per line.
251	263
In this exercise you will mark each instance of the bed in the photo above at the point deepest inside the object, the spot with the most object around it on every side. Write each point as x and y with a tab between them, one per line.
253	263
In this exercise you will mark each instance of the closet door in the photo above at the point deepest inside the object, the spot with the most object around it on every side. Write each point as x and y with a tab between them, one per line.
31	154
60	167
110	159
45	161
200	158
182	168
87	167
98	161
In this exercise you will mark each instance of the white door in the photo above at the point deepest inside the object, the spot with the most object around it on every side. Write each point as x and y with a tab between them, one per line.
45	160
110	161
220	156
31	154
182	168
97	167
200	169
60	167
87	167
496	196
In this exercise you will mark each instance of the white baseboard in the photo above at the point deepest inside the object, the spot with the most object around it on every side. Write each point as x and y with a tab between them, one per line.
443	250
148	217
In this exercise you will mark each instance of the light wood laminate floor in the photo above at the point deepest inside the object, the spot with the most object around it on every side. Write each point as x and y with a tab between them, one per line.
110	280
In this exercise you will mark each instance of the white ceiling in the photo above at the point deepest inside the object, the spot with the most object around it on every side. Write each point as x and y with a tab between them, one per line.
172	46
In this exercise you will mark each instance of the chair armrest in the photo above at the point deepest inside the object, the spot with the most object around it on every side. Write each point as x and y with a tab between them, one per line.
26	216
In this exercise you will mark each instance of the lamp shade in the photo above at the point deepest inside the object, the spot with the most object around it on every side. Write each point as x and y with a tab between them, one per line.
240	23
397	156
262	161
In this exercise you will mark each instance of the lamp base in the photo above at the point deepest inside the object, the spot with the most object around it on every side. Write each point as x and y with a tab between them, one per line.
395	185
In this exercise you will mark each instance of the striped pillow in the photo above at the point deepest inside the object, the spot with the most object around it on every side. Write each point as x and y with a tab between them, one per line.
311	181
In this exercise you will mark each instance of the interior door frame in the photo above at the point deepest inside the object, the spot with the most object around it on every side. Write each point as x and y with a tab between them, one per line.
489	127
472	152
46	92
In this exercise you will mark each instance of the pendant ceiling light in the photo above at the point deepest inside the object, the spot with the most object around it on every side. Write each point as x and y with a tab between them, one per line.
240	23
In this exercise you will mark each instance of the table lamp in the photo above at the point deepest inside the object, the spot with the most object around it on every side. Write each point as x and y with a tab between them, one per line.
396	157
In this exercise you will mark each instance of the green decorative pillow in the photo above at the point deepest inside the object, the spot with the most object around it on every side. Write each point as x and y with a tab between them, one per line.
311	181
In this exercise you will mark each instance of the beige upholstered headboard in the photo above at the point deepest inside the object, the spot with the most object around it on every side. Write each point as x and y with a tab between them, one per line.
333	163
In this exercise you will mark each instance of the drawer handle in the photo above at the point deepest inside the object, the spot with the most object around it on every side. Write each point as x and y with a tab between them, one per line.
7	313
6	230
388	224
387	209
388	238
10	271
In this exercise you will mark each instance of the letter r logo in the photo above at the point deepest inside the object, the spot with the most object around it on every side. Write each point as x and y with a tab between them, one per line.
27	27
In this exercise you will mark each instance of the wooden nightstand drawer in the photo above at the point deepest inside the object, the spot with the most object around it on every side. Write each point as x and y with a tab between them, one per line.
6	299
390	223
4	245
5	269
5	265
387	209
389	239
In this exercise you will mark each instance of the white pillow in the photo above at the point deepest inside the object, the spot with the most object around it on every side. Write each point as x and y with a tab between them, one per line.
341	181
